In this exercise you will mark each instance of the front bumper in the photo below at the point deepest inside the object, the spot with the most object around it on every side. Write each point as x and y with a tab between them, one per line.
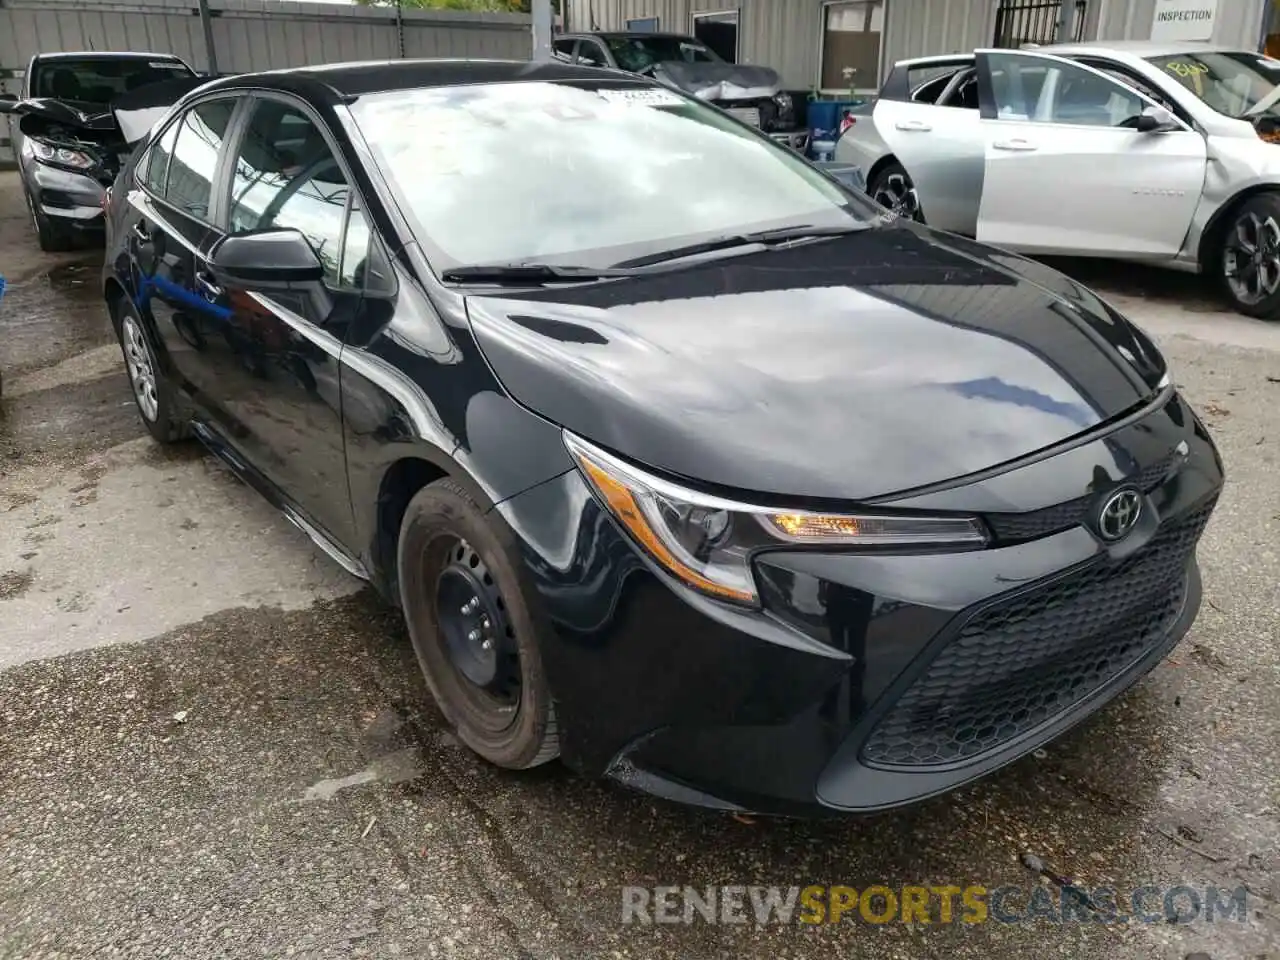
72	199
870	680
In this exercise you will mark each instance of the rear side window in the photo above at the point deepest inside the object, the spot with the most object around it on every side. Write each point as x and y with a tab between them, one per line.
201	132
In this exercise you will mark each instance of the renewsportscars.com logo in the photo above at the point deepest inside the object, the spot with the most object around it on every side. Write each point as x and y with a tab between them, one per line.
879	904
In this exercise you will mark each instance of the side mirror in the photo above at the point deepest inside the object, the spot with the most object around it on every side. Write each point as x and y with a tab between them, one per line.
266	259
849	174
1154	119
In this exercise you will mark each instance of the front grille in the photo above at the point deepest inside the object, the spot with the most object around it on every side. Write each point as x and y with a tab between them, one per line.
1010	528
747	115
1022	662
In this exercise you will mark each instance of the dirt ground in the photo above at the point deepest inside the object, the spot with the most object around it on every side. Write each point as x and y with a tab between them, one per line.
215	743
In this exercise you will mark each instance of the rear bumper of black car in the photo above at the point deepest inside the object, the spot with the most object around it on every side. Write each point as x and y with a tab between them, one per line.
867	680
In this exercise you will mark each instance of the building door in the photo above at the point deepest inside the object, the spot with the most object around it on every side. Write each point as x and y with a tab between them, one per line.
1036	21
719	31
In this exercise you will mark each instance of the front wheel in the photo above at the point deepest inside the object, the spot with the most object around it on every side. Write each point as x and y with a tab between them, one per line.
893	189
1248	261
51	237
474	627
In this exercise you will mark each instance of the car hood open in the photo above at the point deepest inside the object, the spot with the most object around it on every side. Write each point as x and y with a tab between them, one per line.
846	369
125	121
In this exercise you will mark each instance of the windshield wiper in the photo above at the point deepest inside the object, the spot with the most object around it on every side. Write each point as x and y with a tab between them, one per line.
529	273
766	237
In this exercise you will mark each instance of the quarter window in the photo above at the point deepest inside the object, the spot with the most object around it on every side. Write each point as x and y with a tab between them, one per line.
189	181
287	177
1043	91
156	167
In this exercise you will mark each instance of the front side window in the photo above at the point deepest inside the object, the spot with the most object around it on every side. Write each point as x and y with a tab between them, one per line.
201	132
1234	83
585	173
286	176
592	54
1045	91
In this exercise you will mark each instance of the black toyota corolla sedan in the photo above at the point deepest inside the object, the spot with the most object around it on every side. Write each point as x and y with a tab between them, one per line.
684	463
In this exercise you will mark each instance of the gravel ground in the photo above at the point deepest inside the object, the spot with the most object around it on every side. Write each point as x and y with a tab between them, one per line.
217	744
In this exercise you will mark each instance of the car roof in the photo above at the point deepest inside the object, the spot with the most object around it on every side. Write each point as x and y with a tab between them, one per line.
348	80
634	34
107	55
1135	48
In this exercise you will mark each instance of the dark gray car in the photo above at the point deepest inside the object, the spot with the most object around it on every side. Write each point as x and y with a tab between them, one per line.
70	145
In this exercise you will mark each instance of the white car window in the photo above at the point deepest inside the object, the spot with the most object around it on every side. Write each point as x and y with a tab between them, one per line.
1042	91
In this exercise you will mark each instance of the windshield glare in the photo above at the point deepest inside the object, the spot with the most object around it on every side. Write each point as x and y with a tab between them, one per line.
100	81
1231	83
553	173
636	53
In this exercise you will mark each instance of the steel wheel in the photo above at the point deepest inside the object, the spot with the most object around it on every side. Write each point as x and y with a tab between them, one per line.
142	371
478	636
1251	258
894	190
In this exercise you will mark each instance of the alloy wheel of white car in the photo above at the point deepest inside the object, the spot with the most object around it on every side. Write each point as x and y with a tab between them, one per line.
894	190
1251	258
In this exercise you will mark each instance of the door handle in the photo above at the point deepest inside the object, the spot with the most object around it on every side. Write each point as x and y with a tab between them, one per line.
913	126
206	285
141	232
1014	146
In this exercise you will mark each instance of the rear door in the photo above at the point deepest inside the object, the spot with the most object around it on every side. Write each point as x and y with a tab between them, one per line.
939	145
169	226
1066	170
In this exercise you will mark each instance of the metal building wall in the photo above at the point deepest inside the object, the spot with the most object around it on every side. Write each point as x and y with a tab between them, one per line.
248	34
787	34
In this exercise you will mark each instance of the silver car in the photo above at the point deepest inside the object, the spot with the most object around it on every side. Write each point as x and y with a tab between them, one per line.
1166	154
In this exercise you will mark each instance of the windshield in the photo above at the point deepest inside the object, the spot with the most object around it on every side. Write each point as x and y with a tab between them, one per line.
636	53
101	80
1232	82
585	175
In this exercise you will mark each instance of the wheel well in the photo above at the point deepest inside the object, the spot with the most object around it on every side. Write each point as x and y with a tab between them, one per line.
114	292
1218	223
877	167
400	484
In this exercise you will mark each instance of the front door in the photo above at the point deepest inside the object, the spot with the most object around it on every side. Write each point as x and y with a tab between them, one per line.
279	383
1066	170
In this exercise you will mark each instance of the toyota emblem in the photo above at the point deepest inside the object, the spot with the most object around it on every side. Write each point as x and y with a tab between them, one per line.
1119	514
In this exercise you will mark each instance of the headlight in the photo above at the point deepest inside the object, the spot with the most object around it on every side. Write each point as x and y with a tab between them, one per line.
707	542
62	156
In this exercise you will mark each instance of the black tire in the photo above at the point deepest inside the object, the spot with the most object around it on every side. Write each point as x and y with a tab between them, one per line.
51	237
446	541
1246	263
156	402
893	188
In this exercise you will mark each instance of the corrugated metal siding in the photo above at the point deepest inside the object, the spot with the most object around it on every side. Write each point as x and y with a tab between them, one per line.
1238	22
249	34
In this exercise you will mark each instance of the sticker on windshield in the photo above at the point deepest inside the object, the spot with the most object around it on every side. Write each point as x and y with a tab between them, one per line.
166	65
641	97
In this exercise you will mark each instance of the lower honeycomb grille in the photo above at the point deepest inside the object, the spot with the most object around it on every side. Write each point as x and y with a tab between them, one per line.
1020	663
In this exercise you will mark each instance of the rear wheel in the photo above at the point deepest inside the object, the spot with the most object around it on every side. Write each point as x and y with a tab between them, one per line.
893	188
474	628
152	392
1248	260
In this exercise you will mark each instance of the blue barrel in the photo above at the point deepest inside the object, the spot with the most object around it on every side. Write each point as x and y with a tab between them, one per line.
824	126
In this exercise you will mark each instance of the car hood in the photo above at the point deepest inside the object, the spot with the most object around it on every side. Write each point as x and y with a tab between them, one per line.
125	120
846	369
719	81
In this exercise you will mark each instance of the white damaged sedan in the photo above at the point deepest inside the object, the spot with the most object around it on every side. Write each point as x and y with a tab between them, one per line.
1136	151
